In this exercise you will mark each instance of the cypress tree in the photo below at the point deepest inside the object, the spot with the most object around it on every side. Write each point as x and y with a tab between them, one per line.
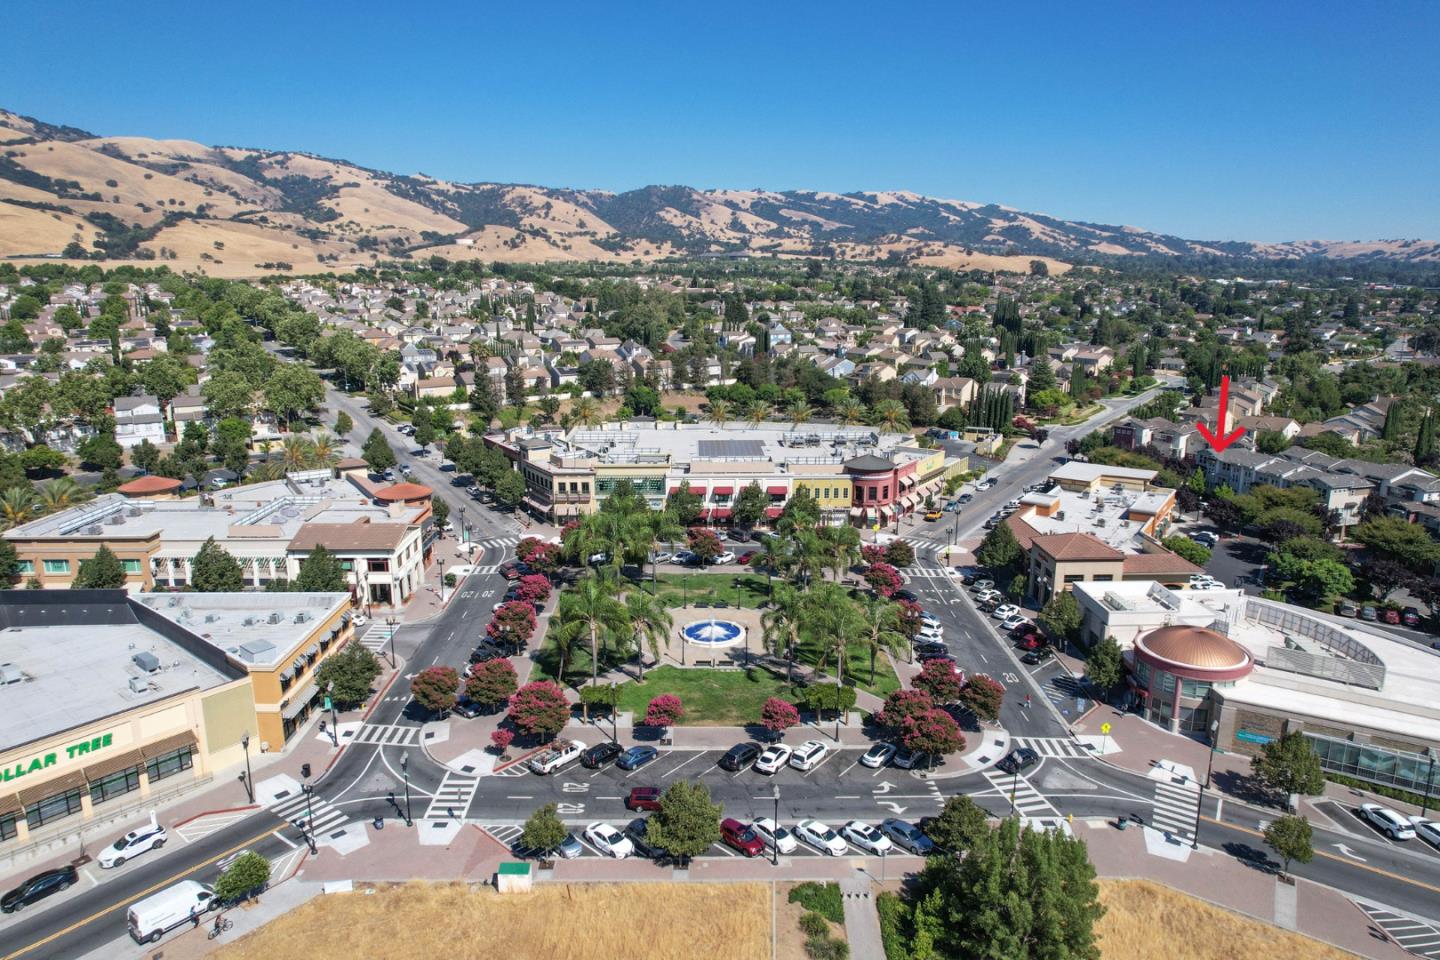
1391	430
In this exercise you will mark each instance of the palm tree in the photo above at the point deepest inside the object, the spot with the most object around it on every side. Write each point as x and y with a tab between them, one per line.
649	622
810	554
654	528
850	412
297	453
589	610
891	415
882	628
17	505
776	555
843	545
758	412
781	626
585	411
798	412
60	493
719	413
834	624
324	450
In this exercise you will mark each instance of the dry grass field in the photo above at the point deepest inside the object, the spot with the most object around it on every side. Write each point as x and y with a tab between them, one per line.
672	921
1144	920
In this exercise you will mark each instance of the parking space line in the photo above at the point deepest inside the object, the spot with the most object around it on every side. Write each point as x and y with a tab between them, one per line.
677	767
849	768
828	757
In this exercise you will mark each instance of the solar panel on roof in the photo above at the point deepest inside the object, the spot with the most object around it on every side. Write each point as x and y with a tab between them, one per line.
731	449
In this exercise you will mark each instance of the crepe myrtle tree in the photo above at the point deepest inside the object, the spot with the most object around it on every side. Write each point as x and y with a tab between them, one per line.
939	679
899	554
540	708
883	579
910	612
777	716
901	705
501	739
533	588
704	544
492	682
872	553
434	688
933	733
982	695
665	710
513	625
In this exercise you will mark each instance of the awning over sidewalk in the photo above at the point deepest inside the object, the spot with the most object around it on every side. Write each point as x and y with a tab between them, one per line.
300	701
723	491
774	512
721	513
777	491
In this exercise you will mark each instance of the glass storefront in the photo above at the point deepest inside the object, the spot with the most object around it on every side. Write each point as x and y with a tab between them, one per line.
8	830
54	807
169	764
116	784
1366	761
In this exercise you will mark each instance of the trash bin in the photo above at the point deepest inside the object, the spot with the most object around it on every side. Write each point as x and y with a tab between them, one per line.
1123	823
305	771
379	823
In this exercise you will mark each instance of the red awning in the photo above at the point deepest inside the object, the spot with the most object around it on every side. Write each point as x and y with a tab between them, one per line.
774	512
674	490
703	515
724	491
721	513
776	491
698	491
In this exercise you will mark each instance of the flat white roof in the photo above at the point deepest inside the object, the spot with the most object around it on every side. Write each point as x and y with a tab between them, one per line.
1077	472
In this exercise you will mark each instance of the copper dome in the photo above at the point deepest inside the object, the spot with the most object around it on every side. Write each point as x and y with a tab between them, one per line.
1194	647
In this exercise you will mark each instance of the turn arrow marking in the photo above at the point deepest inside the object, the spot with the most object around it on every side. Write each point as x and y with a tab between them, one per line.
893	807
885	787
1348	852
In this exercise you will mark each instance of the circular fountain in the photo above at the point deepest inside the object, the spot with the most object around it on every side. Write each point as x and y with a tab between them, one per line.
714	633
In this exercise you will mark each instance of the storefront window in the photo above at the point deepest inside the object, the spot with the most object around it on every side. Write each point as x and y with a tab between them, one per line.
116	784
52	808
57	566
132	566
1195	688
169	764
25	567
7	826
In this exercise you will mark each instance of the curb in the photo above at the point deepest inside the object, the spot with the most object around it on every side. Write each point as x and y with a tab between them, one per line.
211	813
520	759
375	702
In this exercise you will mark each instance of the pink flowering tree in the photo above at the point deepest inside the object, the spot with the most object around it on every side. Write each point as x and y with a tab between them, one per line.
778	715
533	588
939	679
501	740
664	711
883	579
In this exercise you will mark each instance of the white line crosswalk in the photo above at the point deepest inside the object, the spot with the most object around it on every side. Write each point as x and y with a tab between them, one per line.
297	808
1175	807
452	798
1029	802
375	638
1412	935
492	568
1062	747
386	735
498	542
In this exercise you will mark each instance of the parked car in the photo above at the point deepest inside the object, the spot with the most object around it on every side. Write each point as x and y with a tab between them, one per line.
38	888
1206	539
724	556
965	498
821	837
467	708
662	556
1387	821
1027	626
687	558
905	594
596	559
1367	612
513	569
772	758
1410	617
981	585
1391	616
988	597
637	832
739	757
907	836
1005	611
1018	760
609	841
643	798
561	754
1032	657
774	835
930	633
905	759
866	837
808	755
1348	608
739	836
158	914
926	649
636	757
1013	622
933	515
570	847
1030	641
929	619
602	753
878	755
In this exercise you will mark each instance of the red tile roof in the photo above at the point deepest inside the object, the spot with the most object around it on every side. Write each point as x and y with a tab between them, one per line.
1159	563
403	491
1076	546
146	486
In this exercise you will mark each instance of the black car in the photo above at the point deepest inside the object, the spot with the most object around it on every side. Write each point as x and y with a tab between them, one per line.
1018	760
739	757
1037	656
906	595
38	887
969	577
467	708
486	651
636	831
929	650
738	536
599	755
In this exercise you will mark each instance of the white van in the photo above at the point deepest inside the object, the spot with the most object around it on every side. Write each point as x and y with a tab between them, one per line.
152	918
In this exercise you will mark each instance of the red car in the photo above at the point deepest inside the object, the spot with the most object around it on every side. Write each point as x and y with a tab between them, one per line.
739	836
643	798
1390	615
1031	641
744	558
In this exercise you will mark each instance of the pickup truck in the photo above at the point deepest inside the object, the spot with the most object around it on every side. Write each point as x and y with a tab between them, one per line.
558	757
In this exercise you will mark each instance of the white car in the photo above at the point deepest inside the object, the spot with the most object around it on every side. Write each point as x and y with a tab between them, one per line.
929	620
1387	821
134	843
878	755
773	758
774	835
989	596
867	837
1005	611
1427	830
359	620
822	838
1013	622
980	586
984	485
929	634
663	556
609	841
599	558
724	556
808	755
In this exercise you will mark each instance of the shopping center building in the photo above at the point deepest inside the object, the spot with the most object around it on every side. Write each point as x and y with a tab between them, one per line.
1239	671
116	701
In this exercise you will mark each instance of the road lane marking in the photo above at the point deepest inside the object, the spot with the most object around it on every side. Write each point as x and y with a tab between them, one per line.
285	840
137	897
1319	853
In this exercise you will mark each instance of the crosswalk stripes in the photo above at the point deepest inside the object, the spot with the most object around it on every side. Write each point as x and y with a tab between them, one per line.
205	825
1029	802
386	735
497	542
513	770
452	798
1411	935
506	833
491	568
1062	747
1175	807
375	638
298	808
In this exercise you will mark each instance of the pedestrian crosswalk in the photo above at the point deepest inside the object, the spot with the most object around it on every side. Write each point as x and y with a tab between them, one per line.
1029	802
1062	747
376	637
299	809
452	798
497	542
386	735
1175	808
488	569
1412	935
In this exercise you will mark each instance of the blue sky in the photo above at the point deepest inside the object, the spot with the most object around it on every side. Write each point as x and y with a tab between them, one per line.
1260	121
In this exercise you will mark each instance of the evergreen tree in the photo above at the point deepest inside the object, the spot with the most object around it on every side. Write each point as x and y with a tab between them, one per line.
515	385
736	316
1289	765
321	572
104	571
999	550
1042	375
213	570
377	453
1104	667
1425	440
1391	430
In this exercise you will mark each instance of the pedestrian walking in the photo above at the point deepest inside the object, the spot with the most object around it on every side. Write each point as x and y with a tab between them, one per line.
1027	701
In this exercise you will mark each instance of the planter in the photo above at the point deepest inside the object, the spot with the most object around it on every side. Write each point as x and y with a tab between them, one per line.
547	864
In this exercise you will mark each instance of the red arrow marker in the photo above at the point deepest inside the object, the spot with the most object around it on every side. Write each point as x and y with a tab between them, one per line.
1217	442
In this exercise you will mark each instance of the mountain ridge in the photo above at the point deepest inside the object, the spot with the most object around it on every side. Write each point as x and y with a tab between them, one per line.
66	193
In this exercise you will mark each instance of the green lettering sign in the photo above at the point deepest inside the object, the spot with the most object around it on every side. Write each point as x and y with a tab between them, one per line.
23	767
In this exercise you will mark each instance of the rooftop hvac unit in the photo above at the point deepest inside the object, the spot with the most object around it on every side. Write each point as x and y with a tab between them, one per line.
139	685
301	617
174	602
249	621
211	617
276	617
93	531
134	512
9	673
146	661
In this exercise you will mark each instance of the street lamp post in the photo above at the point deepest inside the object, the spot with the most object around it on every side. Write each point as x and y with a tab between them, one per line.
1200	802
392	623
405	771
249	777
1014	786
441	561
775	847
334	721
310	819
1429	779
464	528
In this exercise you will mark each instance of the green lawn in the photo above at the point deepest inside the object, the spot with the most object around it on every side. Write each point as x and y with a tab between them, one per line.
716	698
738	590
